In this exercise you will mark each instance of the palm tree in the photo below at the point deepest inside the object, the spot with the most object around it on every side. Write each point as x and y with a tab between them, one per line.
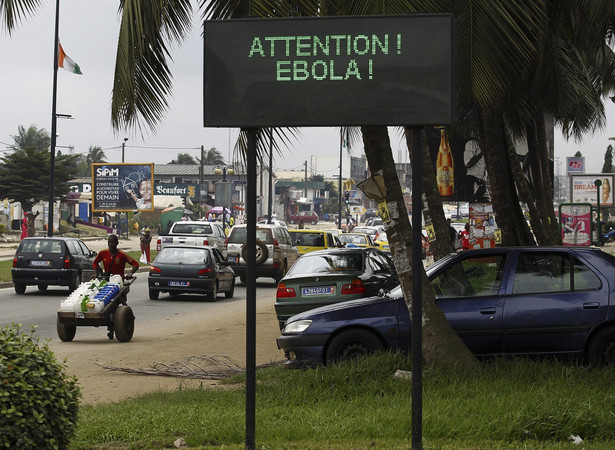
33	138
183	158
95	155
212	157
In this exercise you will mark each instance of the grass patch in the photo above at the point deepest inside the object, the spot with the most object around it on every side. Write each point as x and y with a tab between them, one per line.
504	404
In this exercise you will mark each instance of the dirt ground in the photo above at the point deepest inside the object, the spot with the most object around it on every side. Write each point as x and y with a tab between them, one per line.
175	340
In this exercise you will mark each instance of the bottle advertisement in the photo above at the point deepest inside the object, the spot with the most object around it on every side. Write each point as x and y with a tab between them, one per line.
459	165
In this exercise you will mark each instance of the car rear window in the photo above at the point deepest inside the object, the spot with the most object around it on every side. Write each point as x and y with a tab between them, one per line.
41	246
330	263
192	228
240	235
190	256
308	238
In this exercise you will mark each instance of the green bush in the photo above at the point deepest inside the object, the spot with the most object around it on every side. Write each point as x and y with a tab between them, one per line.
38	401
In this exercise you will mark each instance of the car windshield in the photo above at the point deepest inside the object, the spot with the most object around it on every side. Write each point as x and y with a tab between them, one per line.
192	228
41	246
327	263
365	230
179	255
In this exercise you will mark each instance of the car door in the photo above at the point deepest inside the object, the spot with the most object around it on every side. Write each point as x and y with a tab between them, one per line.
554	300
78	255
89	255
225	273
468	290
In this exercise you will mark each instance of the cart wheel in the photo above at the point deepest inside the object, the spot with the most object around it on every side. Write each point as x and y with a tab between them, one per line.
153	295
124	323
66	333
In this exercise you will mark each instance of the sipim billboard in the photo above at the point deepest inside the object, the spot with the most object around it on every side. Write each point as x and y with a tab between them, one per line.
122	187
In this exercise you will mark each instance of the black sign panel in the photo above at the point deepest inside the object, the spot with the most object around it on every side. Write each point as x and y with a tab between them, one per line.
335	71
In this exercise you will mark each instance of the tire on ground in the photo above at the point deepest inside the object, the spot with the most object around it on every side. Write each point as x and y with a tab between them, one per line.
601	351
352	344
231	292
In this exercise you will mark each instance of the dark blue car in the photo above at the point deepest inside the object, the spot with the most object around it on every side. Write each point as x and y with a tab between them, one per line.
500	301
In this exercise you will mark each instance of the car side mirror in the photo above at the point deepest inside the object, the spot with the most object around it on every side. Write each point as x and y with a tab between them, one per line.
93	253
297	242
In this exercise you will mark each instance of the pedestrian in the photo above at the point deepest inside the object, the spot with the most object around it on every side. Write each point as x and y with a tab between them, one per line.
465	237
114	262
24	226
145	240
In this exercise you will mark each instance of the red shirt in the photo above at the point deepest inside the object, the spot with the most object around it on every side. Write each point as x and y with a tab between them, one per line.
119	262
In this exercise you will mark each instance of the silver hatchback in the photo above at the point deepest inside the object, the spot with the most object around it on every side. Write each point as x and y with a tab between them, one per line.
275	252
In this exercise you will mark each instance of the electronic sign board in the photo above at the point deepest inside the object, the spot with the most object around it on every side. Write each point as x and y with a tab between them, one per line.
330	71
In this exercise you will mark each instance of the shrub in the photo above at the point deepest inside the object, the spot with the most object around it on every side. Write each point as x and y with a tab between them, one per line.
38	401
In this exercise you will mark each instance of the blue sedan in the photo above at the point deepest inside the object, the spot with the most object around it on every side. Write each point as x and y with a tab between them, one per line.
500	301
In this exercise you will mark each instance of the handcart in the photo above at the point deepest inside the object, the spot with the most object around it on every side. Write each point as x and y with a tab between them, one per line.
116	312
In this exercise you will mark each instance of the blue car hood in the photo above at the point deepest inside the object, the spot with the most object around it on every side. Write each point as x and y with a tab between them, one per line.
342	308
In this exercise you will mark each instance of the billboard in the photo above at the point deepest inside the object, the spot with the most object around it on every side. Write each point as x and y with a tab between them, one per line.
122	187
575	220
575	164
330	71
583	189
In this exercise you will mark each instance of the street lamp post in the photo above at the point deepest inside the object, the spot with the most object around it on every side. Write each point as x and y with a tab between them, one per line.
223	170
123	146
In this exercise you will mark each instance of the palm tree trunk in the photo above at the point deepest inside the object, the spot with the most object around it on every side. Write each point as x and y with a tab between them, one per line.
443	245
441	345
506	206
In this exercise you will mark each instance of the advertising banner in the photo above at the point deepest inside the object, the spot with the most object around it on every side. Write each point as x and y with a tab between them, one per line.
482	225
576	223
184	190
583	189
122	187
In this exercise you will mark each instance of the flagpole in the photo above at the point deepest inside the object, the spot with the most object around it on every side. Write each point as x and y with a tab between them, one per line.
52	155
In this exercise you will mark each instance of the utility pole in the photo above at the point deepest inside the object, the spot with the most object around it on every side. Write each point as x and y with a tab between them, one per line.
305	189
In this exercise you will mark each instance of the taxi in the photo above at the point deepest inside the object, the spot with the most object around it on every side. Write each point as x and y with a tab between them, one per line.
310	240
356	240
382	242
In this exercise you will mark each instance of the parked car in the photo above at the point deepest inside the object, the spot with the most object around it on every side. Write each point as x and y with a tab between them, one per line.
46	261
275	251
311	240
356	240
500	301
191	270
307	217
332	276
382	242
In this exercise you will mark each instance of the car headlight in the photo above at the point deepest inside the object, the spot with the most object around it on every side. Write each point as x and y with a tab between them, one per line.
297	327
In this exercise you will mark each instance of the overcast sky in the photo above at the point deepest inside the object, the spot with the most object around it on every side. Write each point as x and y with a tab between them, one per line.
88	33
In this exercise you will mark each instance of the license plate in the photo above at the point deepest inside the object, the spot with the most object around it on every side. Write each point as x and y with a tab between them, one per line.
233	259
40	262
318	290
179	283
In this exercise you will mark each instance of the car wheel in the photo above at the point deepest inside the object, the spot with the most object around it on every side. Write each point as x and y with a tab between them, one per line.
282	274
313	222
66	333
75	283
602	348
124	323
214	293
42	287
154	294
352	344
262	253
231	292
20	288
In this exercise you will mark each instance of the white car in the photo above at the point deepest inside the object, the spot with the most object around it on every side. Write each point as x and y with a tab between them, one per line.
280	223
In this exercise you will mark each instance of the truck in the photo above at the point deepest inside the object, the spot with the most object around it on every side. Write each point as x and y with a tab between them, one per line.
194	233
